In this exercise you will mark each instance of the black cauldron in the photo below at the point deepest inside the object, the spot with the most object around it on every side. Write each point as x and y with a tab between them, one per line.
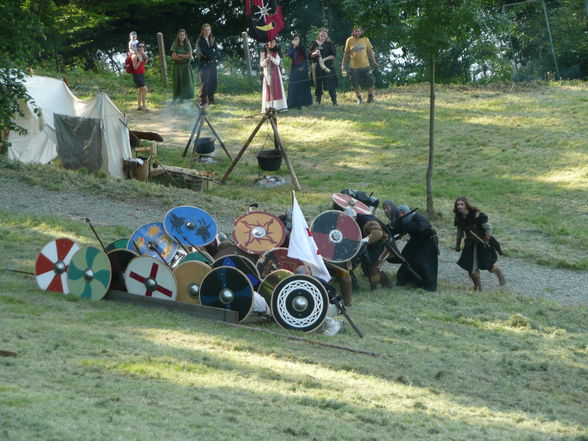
204	145
269	160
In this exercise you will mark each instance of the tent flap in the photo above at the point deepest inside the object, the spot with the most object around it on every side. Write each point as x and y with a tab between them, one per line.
53	97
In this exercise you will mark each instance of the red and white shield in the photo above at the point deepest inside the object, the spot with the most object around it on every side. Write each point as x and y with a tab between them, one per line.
344	201
52	265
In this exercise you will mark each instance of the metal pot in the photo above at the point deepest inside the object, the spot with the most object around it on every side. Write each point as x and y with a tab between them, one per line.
204	145
269	160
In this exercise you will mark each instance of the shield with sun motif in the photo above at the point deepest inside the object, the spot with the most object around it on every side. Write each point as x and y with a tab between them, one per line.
151	240
258	232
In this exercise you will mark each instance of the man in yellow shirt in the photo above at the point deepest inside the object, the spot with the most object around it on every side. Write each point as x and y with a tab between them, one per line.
359	52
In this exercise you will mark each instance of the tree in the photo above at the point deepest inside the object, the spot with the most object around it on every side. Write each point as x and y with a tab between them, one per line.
428	29
19	28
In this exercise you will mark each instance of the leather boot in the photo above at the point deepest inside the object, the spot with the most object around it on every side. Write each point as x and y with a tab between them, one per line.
477	281
385	281
345	287
374	277
498	272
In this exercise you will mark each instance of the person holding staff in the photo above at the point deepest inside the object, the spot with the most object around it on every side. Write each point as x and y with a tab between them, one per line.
207	51
322	54
273	95
181	50
481	249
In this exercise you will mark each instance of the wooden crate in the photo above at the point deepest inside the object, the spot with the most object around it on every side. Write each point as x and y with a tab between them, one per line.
182	177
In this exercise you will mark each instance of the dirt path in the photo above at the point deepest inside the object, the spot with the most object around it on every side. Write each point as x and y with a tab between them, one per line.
563	286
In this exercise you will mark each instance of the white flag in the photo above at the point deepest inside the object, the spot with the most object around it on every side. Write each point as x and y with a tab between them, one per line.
302	245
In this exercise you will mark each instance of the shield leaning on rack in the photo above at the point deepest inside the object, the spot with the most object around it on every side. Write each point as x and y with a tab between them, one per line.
227	287
52	265
300	302
150	277
89	273
258	232
191	226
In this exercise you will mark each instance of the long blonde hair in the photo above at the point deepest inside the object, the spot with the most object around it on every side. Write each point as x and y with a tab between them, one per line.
323	30
210	37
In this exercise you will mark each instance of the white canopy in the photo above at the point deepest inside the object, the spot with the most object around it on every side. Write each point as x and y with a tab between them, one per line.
52	96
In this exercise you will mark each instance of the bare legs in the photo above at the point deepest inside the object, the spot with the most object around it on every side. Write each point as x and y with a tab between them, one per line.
142	98
475	276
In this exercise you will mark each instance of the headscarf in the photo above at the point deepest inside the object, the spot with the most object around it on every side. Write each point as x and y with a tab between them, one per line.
393	214
406	209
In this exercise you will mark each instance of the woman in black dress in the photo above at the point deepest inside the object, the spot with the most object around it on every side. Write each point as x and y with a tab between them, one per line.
481	249
207	55
299	85
322	54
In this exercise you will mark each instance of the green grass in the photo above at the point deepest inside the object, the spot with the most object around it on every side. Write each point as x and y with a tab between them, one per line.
519	153
452	365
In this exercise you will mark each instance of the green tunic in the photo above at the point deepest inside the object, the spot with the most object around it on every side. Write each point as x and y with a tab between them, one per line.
183	74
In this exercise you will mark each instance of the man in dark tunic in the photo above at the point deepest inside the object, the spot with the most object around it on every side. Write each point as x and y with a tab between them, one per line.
374	236
420	252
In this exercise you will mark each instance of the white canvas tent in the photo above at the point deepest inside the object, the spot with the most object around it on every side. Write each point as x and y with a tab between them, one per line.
52	96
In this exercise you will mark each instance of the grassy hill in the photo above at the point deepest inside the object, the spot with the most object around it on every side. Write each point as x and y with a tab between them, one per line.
452	365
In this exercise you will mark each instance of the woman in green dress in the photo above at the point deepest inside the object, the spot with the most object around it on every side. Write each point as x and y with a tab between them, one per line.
181	51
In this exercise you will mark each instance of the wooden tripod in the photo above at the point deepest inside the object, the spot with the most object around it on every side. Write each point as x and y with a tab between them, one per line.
202	118
270	115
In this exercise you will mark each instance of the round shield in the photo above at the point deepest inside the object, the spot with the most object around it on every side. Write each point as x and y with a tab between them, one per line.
189	277
337	236
241	263
151	240
52	264
191	226
258	231
276	259
89	273
227	288
150	277
197	256
267	286
117	244
300	302
119	260
344	201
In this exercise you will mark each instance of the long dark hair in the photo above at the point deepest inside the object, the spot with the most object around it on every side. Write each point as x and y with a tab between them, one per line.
300	51
276	48
467	203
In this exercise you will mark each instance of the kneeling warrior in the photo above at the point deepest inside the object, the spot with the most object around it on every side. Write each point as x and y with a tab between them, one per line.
421	252
374	236
481	249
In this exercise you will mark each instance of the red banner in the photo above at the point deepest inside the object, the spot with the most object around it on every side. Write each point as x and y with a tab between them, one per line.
265	19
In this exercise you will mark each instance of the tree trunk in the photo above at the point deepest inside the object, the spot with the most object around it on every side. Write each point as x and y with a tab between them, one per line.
429	177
